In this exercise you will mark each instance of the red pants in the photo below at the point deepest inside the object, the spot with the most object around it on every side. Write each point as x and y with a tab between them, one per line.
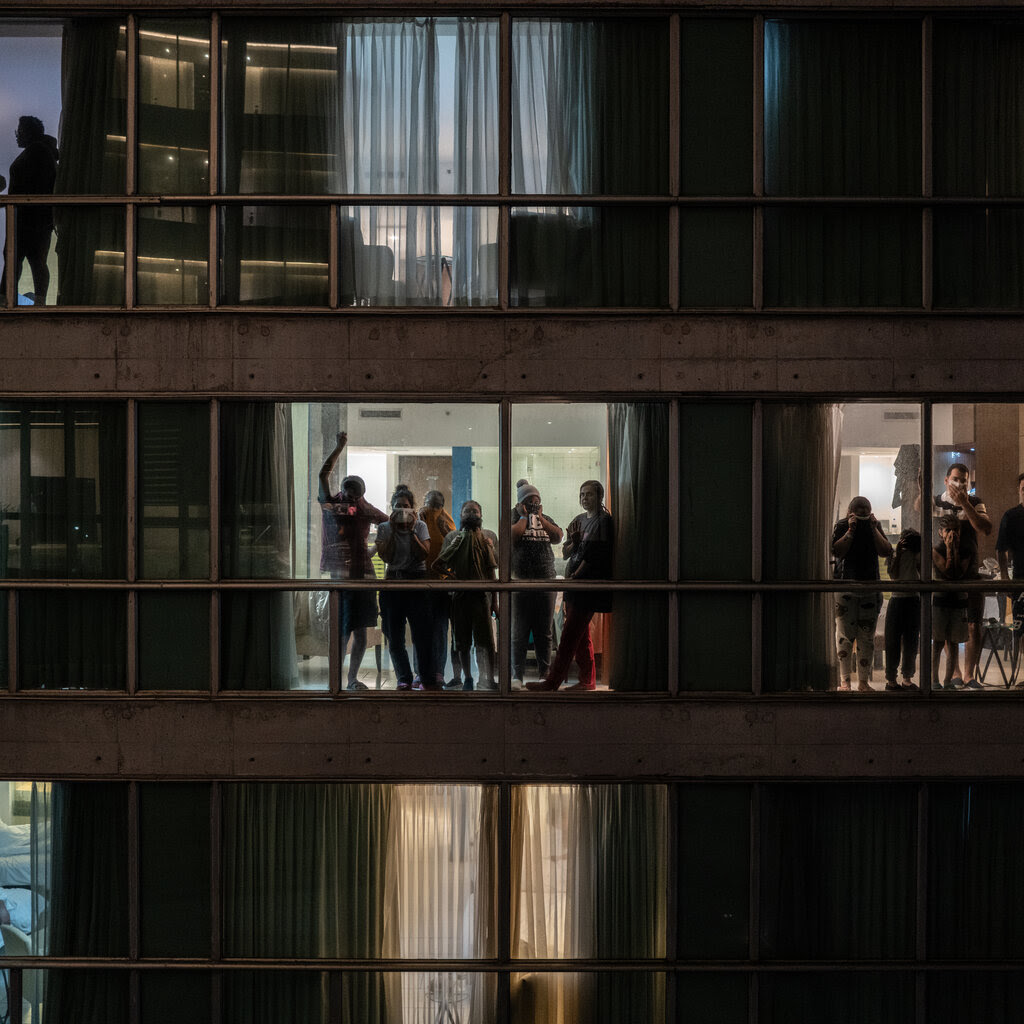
575	644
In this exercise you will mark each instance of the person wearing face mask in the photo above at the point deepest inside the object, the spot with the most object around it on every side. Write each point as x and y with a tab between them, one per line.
857	543
588	548
346	520
403	543
468	554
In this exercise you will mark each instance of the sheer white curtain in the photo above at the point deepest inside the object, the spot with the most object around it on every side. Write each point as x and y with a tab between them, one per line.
441	891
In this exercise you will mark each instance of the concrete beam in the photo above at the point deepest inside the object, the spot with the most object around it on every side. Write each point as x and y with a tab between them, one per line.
419	737
478	354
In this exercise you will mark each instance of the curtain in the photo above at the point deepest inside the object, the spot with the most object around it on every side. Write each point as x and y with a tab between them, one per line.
304	876
838	869
88	900
975	878
441	890
258	648
842	118
90	240
800	459
638	485
588	880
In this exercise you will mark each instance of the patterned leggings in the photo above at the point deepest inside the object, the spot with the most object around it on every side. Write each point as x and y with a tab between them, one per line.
856	619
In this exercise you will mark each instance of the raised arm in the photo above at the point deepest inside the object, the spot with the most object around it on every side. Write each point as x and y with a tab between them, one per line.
328	467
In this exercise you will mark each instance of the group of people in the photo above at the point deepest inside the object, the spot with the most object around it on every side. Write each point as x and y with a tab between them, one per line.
858	543
32	172
428	546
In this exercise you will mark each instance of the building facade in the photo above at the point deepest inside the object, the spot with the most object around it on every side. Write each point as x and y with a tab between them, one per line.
739	263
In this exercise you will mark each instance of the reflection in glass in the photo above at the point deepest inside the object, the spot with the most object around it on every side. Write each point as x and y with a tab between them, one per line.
174	490
174	106
274	255
418	256
73	640
172	265
588	256
590	106
62	475
548	998
90	255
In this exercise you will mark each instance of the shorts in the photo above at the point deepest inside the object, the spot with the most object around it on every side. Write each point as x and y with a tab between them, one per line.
975	606
358	610
949	623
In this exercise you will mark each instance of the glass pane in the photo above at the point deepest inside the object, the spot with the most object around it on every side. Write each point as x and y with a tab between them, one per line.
62	476
401	105
274	255
715	466
978	75
168	997
598	847
974	488
600	998
174	490
717	111
848	998
850	474
838	257
842	107
174	106
831	855
174	641
979	258
418	256
409	871
90	257
173	245
67	995
296	997
712	998
72	640
590	107
174	869
588	256
993	996
716	257
715	641
714	872
974	880
26	839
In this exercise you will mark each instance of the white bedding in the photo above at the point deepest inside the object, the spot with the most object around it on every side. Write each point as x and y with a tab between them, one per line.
14	839
19	906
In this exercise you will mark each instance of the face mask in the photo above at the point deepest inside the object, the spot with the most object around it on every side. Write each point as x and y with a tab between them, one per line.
472	522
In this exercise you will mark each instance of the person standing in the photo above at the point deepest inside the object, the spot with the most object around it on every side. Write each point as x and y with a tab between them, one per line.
857	543
533	611
957	500
346	520
439	525
903	615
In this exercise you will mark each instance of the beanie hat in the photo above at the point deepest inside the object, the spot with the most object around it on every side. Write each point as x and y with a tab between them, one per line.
526	489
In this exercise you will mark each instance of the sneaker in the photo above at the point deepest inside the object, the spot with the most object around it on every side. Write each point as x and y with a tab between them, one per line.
357	684
453	684
517	683
404	686
973	684
467	683
420	685
892	685
953	684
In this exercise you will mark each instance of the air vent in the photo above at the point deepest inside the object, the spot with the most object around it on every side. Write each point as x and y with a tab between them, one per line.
380	414
913	415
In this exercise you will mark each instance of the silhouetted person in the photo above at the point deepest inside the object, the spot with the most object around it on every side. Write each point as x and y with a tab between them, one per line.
33	172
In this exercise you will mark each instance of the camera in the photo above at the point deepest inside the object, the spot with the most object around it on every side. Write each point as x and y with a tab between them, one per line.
404	515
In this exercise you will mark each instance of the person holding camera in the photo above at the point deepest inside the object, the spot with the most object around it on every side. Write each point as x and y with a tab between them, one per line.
346	520
949	607
533	533
403	543
857	541
903	615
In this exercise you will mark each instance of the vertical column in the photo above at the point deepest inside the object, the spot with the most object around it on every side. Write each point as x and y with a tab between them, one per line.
758	156
674	527
131	520
756	544
131	154
213	272
674	156
927	30
504	154
214	498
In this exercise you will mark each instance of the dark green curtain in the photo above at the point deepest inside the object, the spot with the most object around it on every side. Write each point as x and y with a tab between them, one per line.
849	998
258	632
975	871
799	459
90	240
637	489
842	118
88	900
304	876
995	997
838	870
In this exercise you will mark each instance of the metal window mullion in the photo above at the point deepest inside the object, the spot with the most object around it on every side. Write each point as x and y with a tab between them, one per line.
131	102
216	951
214	504
674	527
10	297
674	158
504	156
134	861
335	651
756	544
921	900
14	996
757	148
927	235
754	936
505	502
132	523
12	640
672	900
213	267
333	270
926	646
504	852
